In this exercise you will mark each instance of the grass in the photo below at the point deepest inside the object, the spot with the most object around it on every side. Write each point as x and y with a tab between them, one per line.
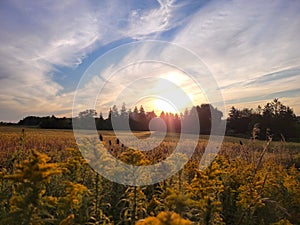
246	177
48	139
4	130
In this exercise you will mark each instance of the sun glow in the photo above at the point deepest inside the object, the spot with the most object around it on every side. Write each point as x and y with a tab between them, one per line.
171	94
162	105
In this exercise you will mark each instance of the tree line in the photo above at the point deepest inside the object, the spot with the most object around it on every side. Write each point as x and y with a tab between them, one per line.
135	120
274	119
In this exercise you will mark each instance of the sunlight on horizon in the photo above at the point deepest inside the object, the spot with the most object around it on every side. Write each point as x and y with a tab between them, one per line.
167	89
161	105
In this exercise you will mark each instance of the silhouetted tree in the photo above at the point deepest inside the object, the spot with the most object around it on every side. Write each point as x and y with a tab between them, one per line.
279	119
239	120
115	112
123	112
274	119
88	113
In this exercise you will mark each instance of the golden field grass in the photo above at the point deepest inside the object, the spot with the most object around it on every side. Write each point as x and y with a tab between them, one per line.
53	141
45	180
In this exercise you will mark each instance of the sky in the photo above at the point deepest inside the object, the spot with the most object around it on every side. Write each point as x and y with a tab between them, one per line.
249	53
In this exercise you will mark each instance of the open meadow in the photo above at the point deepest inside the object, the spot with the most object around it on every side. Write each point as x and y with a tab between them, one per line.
45	180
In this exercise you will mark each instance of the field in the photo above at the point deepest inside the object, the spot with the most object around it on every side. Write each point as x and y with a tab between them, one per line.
45	180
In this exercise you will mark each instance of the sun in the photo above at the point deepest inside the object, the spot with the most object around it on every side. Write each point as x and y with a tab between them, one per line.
163	105
171	99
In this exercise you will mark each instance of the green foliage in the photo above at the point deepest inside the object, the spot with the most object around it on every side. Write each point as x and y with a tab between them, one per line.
134	204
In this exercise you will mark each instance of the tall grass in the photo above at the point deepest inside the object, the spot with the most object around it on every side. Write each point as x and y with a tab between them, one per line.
45	180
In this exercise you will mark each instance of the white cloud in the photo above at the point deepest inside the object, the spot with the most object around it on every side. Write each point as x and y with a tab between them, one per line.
36	36
244	40
135	84
238	41
145	22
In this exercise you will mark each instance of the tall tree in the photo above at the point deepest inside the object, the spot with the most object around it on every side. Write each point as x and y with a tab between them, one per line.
89	113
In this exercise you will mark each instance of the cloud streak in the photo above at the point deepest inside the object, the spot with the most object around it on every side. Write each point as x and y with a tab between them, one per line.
251	48
37	37
245	44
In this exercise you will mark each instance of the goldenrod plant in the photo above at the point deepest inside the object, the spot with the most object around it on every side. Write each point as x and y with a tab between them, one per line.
44	179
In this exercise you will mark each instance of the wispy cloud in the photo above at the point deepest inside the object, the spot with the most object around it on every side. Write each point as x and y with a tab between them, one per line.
145	22
245	44
251	47
136	84
36	37
276	76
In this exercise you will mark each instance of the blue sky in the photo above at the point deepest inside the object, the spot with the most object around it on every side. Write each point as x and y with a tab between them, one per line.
251	48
